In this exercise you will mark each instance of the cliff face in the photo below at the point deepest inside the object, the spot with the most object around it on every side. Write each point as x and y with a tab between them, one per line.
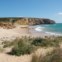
34	21
37	21
27	21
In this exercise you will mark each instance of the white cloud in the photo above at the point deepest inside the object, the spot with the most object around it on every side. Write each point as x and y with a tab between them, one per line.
60	13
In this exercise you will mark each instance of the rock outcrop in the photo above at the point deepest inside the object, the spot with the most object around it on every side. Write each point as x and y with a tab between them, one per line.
26	21
37	21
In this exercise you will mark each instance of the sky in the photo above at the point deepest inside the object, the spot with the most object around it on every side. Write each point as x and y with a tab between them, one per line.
51	9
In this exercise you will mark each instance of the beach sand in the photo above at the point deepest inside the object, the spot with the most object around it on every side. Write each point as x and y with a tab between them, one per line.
24	58
18	32
21	30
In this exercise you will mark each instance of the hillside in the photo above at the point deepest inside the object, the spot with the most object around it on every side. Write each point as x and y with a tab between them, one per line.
10	22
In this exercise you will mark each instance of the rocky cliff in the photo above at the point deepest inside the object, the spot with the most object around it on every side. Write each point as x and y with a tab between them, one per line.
37	21
29	21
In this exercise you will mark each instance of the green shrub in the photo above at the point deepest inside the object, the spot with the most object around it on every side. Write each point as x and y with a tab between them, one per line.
45	42
6	44
37	41
26	45
22	47
9	43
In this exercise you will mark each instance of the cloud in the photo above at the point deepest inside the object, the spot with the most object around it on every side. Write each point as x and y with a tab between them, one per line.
60	13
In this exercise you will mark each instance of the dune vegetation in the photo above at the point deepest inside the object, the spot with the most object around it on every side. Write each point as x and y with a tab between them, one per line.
27	45
54	56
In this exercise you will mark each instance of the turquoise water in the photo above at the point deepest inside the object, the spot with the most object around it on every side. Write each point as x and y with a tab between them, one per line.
50	28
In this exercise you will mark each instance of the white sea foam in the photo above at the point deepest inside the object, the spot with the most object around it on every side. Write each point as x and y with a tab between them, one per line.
39	29
52	33
43	29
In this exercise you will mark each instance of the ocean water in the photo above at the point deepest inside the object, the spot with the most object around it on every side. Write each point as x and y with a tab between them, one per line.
50	28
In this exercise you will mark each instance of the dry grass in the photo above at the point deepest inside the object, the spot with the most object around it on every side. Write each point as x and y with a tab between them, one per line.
1	49
54	56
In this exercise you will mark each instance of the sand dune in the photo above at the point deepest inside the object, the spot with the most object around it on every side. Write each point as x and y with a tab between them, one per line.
11	34
9	58
24	58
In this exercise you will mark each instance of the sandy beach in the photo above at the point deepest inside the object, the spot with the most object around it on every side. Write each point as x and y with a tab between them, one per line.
18	32
30	30
8	34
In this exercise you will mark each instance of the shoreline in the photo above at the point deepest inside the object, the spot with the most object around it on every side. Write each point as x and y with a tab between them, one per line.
41	29
22	30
